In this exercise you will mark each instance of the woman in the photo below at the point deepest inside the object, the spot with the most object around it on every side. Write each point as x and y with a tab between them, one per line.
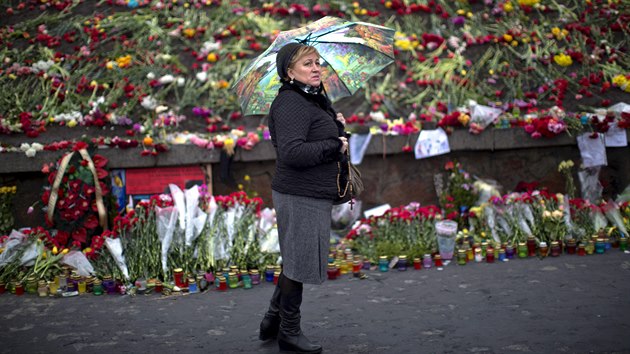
309	140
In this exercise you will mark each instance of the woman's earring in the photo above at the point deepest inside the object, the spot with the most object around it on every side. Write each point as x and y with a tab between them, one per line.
291	82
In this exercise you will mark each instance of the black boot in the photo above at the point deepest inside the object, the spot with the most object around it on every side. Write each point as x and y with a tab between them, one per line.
291	337
270	324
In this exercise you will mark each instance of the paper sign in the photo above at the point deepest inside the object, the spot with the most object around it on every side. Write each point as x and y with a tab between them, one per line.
358	145
593	150
616	137
432	143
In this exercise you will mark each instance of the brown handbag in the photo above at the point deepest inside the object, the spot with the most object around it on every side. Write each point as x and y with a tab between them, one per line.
354	184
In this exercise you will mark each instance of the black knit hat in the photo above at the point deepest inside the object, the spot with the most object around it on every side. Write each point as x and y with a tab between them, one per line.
284	56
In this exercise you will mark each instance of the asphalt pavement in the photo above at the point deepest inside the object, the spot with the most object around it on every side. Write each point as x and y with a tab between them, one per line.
566	304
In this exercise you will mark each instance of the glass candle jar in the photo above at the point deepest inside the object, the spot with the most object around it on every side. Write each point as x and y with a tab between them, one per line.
543	249
383	264
438	260
232	280
255	276
31	285
556	250
366	264
427	262
571	246
417	263
462	258
202	283
402	263
581	251
178	277
158	287
522	250
356	268
607	243
623	244
276	277
3	287
82	286
331	271
470	254
590	247
71	286
490	255
531	246
600	246
484	247
192	286
18	289
509	252
109	285
247	280
478	256
222	283
502	256
42	288
269	273
97	287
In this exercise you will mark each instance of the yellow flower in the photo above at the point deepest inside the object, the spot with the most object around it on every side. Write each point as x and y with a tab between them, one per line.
212	58
55	250
464	119
507	7
562	59
528	2
514	43
229	142
556	214
388	4
109	65
65	251
403	44
44	255
247	178
189	32
87	250
222	84
507	37
240	187
72	123
124	62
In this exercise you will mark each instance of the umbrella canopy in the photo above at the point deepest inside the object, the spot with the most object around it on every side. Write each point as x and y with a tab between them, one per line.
351	53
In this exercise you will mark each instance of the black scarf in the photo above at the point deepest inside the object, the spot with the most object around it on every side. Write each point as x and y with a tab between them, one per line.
311	93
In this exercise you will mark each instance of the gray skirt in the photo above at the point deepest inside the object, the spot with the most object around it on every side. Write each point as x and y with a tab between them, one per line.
304	234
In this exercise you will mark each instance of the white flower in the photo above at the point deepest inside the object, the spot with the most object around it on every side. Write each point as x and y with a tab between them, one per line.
166	79
151	76
37	146
25	146
377	116
149	103
160	109
181	81
165	57
42	66
202	76
210	46
31	152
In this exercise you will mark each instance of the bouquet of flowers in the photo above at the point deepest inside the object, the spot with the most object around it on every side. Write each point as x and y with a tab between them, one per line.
459	195
75	202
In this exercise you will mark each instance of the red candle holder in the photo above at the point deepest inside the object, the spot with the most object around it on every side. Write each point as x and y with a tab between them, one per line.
581	250
438	260
417	263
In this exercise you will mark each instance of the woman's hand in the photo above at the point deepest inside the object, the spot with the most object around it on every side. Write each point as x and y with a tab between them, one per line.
341	119
344	144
